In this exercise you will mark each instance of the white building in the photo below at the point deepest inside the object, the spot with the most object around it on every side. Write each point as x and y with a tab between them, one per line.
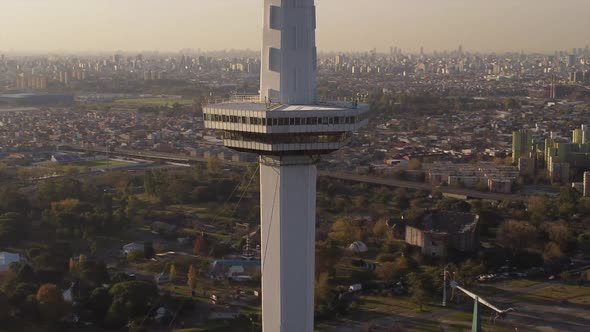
290	130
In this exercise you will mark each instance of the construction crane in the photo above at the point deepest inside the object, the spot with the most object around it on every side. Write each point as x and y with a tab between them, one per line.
476	322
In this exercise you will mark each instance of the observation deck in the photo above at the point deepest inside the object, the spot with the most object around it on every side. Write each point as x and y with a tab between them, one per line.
275	129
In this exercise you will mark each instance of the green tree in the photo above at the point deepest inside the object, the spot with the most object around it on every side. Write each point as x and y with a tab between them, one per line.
130	299
178	190
469	271
11	200
82	260
13	228
72	265
391	271
380	229
58	190
99	303
569	199
213	165
4	307
583	241
94	273
135	255
386	271
418	289
173	273
345	232
552	252
201	245
558	233
516	235
539	208
192	278
148	250
415	164
322	289
327	255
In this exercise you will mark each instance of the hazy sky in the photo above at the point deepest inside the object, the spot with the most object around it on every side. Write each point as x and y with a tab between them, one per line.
171	25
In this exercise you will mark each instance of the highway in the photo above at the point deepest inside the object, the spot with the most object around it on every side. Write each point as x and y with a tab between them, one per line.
421	186
180	158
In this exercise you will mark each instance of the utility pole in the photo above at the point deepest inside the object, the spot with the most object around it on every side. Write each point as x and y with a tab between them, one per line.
444	301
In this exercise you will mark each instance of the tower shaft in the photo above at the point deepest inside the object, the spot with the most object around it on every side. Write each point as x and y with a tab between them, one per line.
288	205
289	54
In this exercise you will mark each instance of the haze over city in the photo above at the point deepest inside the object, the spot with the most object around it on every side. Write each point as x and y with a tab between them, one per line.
139	25
294	165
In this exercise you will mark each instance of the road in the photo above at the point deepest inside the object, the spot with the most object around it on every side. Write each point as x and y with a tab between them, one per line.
421	186
181	158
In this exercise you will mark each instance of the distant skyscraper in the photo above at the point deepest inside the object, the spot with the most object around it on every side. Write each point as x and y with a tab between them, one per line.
581	135
522	144
571	60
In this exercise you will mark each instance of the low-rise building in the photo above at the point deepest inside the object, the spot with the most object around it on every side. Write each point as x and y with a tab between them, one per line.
435	232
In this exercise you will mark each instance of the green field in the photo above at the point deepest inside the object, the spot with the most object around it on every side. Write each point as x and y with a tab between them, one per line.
153	101
103	163
87	165
573	294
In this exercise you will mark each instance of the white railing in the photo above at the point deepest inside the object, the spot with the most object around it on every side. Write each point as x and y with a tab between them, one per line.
235	99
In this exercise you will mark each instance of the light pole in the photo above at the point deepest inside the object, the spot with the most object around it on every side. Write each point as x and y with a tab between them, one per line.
444	301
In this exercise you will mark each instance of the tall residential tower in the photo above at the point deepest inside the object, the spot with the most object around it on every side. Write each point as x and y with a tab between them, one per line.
289	129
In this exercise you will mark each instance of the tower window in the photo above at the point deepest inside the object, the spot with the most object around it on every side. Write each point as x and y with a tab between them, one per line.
274	57
275	18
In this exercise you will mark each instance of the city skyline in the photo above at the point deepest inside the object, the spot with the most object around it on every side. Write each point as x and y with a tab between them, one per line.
135	26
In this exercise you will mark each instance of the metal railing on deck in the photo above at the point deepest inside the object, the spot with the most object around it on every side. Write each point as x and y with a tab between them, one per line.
235	99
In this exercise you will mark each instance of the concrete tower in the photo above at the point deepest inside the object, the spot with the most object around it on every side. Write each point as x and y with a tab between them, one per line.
289	130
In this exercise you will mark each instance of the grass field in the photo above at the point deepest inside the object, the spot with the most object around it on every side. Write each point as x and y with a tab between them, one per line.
153	101
462	321
522	283
87	165
102	163
573	294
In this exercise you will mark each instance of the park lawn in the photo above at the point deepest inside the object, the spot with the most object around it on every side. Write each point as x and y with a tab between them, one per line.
576	294
153	101
210	211
426	327
87	165
462	321
522	283
386	305
104	163
584	299
216	326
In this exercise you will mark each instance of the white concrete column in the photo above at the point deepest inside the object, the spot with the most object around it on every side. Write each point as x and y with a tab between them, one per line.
288	204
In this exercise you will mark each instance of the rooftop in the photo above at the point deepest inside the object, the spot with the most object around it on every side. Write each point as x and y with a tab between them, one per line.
445	222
